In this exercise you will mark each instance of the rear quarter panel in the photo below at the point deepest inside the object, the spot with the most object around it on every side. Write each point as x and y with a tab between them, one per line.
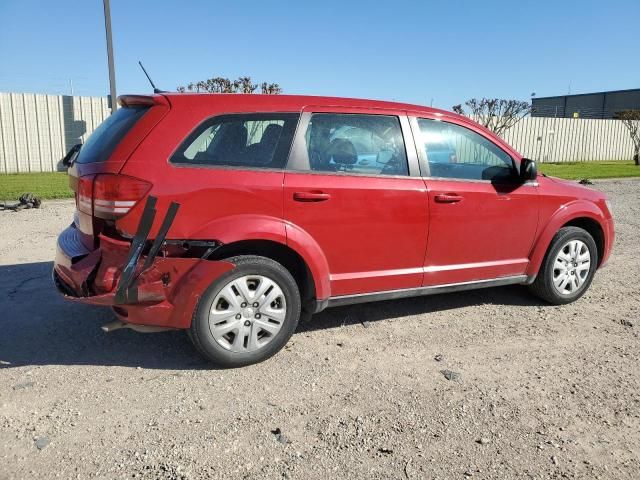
205	194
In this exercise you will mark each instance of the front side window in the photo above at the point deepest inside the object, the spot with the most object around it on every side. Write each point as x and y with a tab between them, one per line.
353	143
453	151
253	140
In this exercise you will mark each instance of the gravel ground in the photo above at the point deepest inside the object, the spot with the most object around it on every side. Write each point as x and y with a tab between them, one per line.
536	391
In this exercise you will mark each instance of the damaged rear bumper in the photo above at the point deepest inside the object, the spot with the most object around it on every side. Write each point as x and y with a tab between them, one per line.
144	289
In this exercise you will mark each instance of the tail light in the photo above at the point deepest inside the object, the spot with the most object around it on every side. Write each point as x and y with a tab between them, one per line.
110	196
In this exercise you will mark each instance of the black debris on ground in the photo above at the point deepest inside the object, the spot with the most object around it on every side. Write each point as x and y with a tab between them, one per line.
26	201
280	437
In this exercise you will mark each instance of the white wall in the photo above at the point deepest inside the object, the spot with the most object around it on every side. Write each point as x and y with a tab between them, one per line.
36	131
570	139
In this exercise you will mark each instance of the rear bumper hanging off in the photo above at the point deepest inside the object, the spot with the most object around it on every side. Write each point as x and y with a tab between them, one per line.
142	289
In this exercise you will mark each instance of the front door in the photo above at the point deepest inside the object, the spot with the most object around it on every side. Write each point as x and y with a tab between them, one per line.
482	218
348	187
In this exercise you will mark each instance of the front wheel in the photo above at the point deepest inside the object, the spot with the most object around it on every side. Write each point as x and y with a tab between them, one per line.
248	314
568	267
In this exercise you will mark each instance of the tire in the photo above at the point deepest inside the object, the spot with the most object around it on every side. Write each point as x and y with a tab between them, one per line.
231	335
570	270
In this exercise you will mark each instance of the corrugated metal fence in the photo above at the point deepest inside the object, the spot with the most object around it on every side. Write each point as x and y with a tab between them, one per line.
36	131
570	139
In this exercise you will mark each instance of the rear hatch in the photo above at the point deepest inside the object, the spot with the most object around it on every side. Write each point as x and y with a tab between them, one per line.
102	194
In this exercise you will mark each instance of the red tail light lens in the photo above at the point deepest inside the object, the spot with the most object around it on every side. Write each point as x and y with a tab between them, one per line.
110	196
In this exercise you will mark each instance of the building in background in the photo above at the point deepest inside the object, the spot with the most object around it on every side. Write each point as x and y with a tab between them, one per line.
587	105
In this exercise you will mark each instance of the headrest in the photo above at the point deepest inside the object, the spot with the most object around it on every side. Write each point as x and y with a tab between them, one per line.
343	152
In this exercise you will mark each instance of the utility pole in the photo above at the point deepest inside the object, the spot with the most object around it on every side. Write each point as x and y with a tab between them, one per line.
112	71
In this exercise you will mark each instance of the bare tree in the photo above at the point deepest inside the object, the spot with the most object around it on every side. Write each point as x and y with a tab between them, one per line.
631	120
270	88
225	85
496	114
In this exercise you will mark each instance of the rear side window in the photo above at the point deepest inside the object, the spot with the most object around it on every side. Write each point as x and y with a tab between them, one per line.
252	140
355	143
104	139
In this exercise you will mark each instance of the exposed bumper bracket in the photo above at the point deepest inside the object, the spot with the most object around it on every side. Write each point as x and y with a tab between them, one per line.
127	291
137	245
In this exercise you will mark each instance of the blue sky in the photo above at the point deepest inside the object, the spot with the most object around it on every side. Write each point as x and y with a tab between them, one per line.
413	51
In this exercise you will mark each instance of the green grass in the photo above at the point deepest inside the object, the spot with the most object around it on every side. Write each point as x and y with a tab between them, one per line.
43	185
591	170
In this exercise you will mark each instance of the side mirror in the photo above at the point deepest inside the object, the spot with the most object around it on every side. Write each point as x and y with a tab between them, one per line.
528	170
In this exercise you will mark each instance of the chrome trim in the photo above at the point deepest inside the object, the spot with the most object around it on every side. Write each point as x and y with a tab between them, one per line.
431	290
528	183
464	266
352	174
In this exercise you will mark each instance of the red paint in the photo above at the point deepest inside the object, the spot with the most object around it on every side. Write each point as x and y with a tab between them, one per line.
356	233
486	233
372	231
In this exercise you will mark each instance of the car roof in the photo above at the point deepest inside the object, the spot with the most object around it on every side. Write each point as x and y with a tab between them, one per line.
201	104
293	102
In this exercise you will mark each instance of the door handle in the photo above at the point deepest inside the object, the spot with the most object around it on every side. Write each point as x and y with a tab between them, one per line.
448	198
311	196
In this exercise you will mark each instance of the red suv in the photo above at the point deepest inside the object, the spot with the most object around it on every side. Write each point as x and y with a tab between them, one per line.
230	215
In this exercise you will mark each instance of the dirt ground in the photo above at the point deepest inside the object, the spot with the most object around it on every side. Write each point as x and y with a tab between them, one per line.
542	391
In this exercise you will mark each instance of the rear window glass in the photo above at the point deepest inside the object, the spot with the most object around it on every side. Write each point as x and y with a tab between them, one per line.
104	139
259	140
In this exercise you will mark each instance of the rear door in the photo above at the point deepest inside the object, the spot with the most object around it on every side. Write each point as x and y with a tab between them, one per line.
353	186
482	218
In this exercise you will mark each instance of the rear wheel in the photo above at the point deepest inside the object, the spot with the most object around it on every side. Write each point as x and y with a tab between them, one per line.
248	314
568	267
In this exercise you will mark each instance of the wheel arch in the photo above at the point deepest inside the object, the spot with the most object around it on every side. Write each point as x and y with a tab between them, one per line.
593	228
274	238
279	252
581	214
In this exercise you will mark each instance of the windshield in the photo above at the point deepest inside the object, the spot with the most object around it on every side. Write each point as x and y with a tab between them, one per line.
104	139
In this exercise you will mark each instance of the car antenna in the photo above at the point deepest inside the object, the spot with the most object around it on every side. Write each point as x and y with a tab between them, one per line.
155	90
